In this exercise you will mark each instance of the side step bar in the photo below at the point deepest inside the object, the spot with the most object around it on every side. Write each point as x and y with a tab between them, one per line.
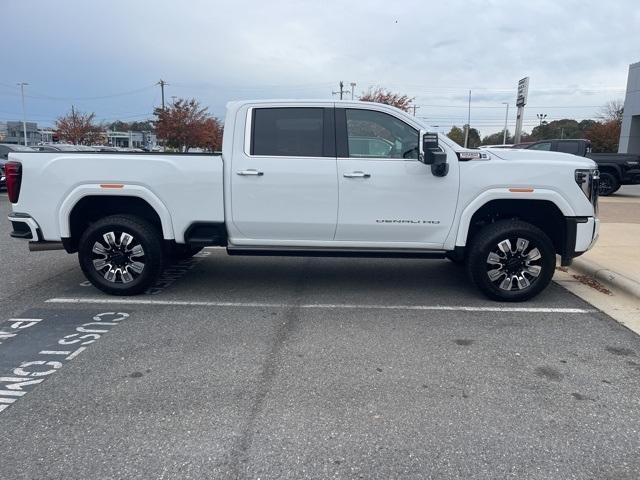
310	252
45	246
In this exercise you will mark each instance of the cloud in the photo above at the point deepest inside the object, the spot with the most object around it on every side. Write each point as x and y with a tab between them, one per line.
218	51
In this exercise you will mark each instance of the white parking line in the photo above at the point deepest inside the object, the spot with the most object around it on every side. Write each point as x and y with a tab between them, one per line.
187	303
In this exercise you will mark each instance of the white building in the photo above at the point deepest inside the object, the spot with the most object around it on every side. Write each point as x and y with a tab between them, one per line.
630	132
146	140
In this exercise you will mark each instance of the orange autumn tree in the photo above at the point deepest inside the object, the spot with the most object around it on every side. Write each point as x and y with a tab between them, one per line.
186	124
79	128
380	95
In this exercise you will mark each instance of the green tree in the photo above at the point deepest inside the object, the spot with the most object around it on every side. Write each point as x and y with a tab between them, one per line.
496	138
565	128
456	134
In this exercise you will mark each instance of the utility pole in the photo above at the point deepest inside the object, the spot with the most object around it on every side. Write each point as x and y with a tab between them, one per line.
415	107
466	133
353	88
506	117
162	84
341	92
24	114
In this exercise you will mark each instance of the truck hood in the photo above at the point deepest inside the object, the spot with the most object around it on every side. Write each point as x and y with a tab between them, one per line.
524	155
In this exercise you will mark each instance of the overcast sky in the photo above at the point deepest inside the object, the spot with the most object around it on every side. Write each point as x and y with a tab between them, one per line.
106	56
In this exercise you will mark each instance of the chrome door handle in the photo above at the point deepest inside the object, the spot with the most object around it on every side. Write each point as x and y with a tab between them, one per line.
356	175
251	171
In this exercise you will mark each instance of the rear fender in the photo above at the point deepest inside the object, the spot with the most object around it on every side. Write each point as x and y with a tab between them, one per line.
144	193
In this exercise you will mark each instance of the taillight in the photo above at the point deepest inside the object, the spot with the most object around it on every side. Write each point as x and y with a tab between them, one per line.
13	173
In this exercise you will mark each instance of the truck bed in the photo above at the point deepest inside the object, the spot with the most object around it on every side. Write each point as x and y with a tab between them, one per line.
190	186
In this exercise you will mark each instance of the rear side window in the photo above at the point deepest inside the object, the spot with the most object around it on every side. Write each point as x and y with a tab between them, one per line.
288	132
569	147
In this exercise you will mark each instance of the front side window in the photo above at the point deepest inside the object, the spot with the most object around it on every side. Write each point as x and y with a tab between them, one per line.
287	132
374	134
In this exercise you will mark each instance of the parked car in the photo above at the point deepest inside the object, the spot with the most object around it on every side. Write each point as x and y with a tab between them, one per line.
5	149
45	148
507	145
616	169
291	182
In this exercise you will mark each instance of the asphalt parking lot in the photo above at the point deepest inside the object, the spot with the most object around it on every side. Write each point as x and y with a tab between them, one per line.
307	368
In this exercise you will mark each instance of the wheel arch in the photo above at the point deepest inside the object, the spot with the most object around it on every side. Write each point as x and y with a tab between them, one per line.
544	211
87	204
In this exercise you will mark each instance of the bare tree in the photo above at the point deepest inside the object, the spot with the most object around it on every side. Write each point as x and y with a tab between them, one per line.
612	111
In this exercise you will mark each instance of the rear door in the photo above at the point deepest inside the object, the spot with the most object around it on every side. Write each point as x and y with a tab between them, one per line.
284	181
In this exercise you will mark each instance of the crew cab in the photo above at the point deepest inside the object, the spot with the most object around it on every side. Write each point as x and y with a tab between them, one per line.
312	178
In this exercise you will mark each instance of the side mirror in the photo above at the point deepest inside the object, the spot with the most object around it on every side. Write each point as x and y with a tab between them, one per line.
428	144
430	154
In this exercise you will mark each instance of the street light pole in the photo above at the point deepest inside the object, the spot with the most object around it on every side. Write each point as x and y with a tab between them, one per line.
506	117
24	114
466	133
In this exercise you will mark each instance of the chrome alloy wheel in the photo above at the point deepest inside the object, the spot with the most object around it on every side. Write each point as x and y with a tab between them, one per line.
514	268
118	260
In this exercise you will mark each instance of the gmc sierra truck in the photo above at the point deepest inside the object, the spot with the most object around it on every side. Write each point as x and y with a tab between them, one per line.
312	178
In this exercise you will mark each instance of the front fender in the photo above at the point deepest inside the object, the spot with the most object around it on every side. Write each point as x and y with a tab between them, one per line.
506	194
81	191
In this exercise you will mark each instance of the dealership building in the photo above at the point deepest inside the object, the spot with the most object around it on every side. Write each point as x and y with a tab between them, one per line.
630	133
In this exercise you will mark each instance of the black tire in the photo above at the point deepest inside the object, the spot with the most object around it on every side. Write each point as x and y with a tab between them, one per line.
609	184
183	252
514	278
121	258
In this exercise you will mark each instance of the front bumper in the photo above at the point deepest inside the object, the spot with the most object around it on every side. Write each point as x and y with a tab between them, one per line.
587	234
581	235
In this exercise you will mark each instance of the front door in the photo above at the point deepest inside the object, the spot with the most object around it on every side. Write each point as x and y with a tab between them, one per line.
386	194
284	186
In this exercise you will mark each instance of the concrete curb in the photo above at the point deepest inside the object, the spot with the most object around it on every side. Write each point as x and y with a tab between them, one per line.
608	277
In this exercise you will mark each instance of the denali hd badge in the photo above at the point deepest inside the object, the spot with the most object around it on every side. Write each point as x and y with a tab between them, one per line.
420	222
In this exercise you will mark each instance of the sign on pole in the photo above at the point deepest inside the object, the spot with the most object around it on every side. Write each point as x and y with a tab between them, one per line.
521	101
523	91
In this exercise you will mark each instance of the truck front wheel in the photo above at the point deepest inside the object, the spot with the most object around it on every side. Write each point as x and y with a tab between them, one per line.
511	260
121	254
608	185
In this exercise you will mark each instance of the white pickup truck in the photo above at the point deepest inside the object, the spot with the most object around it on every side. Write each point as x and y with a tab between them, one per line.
312	178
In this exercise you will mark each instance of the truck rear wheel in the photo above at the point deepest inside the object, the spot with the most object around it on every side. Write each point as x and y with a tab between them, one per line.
121	254
609	184
511	260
